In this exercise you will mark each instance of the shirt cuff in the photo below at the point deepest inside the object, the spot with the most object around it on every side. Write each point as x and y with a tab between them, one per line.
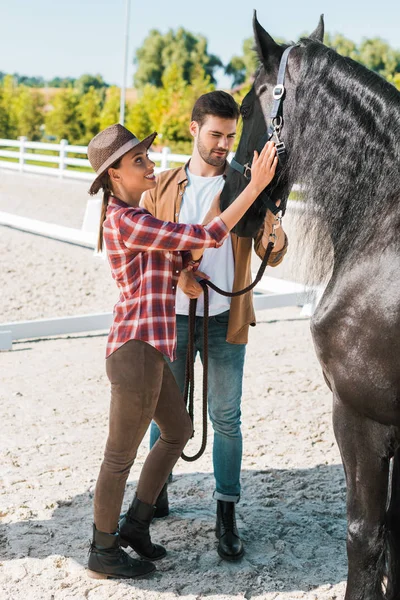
218	230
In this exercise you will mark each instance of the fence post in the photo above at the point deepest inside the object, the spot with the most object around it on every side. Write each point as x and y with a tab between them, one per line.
63	156
22	140
164	158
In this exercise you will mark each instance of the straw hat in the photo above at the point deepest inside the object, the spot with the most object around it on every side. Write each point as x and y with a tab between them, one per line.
110	145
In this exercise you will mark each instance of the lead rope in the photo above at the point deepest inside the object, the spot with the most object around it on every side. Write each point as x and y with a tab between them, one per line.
188	393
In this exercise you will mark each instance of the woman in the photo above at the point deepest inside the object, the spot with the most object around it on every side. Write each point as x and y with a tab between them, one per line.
146	256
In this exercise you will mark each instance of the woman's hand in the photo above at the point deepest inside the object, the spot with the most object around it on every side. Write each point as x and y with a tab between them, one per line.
263	167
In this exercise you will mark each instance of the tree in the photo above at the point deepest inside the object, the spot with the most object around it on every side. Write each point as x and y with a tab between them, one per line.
167	109
374	53
61	82
63	120
182	48
27	112
143	116
3	117
396	81
8	117
85	82
342	45
378	56
37	82
110	111
89	109
242	68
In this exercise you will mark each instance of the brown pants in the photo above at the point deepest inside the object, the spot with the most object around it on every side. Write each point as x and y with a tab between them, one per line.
142	388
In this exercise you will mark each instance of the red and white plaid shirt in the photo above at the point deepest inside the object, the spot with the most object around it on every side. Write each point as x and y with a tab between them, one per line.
146	257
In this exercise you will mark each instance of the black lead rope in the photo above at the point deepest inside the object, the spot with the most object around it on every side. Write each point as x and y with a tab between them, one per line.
273	131
188	393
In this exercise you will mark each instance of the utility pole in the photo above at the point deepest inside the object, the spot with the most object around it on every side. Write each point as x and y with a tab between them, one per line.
123	86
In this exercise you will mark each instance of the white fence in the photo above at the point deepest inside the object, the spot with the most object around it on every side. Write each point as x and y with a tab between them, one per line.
269	293
23	155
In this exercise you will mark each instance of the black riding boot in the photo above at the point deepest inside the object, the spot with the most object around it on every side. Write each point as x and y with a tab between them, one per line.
162	505
230	546
134	530
108	560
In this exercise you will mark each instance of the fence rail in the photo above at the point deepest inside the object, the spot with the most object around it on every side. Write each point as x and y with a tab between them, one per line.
22	159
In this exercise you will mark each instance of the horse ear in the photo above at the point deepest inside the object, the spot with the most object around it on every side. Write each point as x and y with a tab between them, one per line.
265	45
318	34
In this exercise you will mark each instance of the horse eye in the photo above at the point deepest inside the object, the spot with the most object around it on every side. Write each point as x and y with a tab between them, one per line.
245	111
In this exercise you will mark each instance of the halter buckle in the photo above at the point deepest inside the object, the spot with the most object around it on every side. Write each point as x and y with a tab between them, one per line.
280	148
278	91
247	171
277	123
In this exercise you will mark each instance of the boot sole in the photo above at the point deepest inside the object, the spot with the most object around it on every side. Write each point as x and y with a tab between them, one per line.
230	557
125	544
96	575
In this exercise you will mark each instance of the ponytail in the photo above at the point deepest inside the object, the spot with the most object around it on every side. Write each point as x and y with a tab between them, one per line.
106	196
103	183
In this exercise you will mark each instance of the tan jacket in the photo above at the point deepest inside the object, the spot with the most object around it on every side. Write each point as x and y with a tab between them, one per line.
164	202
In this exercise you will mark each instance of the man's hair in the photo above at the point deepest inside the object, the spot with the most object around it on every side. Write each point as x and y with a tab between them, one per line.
218	104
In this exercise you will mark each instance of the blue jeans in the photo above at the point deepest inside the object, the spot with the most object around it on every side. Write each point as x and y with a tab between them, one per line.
225	375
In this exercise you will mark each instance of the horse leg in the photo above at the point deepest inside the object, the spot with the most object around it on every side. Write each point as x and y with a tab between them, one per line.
393	533
364	449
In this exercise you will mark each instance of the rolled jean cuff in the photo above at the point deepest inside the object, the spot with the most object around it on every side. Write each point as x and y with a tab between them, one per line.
225	497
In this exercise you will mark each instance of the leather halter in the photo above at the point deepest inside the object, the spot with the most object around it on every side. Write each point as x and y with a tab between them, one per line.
273	131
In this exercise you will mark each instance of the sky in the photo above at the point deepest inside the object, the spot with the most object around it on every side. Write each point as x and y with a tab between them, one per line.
51	38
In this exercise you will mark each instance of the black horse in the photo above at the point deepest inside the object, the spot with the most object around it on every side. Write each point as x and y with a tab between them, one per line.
342	134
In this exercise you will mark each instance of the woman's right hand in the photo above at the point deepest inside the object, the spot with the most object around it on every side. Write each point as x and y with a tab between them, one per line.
263	167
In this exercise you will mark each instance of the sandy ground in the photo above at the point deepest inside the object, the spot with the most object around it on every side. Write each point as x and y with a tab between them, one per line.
54	404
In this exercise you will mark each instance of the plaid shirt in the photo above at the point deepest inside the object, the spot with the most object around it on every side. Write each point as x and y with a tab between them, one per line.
146	256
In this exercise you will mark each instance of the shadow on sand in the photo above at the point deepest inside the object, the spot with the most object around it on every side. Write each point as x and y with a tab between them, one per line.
292	523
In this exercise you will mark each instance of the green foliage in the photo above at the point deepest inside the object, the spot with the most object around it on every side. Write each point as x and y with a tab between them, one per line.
61	82
9	123
182	48
3	117
110	111
37	82
143	116
63	120
378	56
27	112
167	109
85	82
342	45
242	68
89	114
374	53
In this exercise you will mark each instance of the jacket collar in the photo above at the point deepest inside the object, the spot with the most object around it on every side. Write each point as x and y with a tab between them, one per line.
183	175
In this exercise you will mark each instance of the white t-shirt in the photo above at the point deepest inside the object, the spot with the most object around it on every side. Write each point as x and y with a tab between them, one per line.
217	263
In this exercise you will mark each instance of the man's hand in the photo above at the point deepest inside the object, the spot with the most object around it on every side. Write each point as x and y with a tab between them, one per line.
188	284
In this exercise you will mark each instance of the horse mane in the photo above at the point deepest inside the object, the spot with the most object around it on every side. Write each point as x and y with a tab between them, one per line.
345	153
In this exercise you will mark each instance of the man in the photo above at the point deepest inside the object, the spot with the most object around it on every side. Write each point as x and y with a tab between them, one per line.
185	195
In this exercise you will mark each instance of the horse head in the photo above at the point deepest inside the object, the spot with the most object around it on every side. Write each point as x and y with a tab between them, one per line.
255	111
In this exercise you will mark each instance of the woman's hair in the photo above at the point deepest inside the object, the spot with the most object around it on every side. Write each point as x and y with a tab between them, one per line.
104	183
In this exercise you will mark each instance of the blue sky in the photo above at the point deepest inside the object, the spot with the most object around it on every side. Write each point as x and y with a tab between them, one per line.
53	37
